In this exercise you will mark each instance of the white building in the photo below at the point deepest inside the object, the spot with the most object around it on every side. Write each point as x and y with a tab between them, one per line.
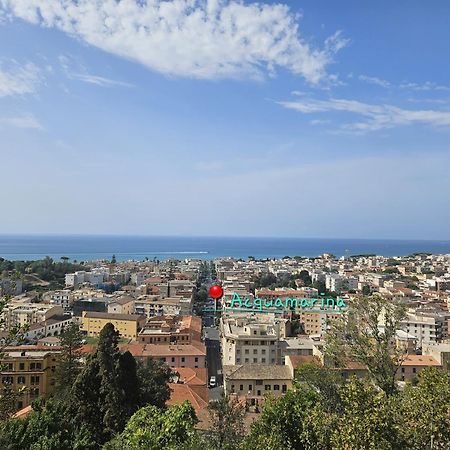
252	339
426	326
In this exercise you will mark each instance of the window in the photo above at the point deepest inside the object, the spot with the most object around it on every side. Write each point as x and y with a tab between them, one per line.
246	351
250	387
7	380
255	360
263	351
32	366
255	351
403	370
38	366
196	359
35	379
414	370
263	360
182	359
22	366
259	382
232	388
21	380
284	388
34	392
267	387
276	387
173	359
241	387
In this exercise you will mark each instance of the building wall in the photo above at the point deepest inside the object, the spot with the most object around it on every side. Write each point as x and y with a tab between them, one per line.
177	360
116	308
93	326
35	373
257	389
407	373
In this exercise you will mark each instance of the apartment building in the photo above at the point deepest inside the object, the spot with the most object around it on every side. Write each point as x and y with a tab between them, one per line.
62	298
252	339
23	312
414	364
192	356
337	283
181	330
49	327
316	323
439	351
92	304
253	382
426	326
154	305
128	325
122	305
176	288
29	370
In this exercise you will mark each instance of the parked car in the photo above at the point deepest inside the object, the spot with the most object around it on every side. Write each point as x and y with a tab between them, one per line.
212	381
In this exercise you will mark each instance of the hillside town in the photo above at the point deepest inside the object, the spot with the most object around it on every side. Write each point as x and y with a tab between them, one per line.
163	310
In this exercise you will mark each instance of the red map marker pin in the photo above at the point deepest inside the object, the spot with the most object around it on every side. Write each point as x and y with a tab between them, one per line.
215	291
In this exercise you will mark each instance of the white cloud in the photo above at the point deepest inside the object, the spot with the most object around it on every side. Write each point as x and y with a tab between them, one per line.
374	80
21	122
377	117
75	70
18	80
194	38
99	81
427	86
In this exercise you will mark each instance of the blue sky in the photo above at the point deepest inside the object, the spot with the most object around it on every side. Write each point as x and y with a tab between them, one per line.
289	118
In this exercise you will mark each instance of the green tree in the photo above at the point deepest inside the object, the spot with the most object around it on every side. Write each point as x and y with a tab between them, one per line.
283	422
366	290
97	399
325	382
366	421
305	277
366	334
129	382
153	429
424	412
71	341
154	377
227	423
46	428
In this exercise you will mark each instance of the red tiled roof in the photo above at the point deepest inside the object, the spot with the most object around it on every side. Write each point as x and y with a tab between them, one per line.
23	413
191	376
420	360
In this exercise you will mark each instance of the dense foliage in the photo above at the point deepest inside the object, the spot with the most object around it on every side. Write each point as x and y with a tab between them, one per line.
46	269
111	402
91	409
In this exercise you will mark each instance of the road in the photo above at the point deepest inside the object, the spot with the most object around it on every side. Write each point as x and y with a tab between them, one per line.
213	360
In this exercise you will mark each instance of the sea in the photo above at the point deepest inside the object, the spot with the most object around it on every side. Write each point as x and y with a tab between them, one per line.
138	248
